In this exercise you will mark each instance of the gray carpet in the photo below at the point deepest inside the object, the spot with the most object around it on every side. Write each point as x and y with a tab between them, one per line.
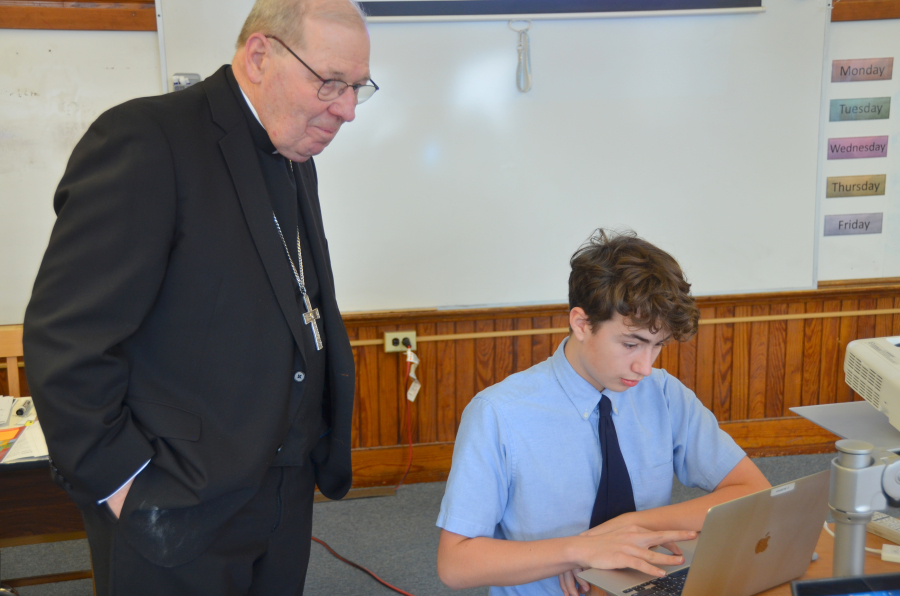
395	537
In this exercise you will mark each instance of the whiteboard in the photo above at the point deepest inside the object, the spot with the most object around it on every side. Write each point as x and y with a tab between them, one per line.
451	188
55	83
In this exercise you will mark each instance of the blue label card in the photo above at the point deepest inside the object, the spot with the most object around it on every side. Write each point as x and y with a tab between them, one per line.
870	108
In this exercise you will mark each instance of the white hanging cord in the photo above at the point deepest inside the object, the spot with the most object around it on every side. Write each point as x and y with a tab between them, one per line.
523	70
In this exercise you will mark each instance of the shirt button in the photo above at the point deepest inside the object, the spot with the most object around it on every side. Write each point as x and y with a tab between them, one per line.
299	376
279	449
586	414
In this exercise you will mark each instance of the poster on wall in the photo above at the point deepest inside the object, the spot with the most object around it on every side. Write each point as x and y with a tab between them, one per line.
512	9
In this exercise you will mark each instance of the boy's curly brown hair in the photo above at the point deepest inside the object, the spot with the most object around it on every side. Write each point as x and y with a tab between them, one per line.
619	272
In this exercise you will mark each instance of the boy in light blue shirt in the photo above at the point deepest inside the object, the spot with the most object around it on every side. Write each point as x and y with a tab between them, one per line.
522	495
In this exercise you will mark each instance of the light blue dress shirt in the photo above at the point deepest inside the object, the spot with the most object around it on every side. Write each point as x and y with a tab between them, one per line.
526	464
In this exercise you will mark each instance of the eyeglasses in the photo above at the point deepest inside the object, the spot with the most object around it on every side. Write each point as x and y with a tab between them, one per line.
332	88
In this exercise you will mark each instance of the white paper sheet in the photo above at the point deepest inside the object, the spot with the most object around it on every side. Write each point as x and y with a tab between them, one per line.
29	445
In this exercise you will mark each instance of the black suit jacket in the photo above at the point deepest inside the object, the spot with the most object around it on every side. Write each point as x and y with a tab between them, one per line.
164	326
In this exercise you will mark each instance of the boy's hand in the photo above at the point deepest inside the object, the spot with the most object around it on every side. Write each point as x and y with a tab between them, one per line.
571	585
622	547
623	521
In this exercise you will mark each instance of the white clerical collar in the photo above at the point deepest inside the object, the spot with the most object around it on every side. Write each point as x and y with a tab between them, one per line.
252	109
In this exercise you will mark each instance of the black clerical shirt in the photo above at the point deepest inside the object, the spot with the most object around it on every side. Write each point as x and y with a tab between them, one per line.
308	385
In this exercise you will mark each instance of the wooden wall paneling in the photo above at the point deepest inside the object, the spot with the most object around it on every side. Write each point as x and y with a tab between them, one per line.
687	363
793	360
446	384
883	323
388	391
723	359
540	344
812	356
367	398
484	356
23	382
706	347
504	353
465	370
896	330
383	466
865	10
522	345
831	336
865	327
426	403
740	393
558	322
99	15
775	363
847	334
353	334
674	366
759	358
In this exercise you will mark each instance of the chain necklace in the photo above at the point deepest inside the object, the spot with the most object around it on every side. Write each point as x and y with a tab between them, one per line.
311	314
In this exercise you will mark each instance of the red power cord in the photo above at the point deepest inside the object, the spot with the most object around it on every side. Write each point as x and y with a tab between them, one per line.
408	466
361	568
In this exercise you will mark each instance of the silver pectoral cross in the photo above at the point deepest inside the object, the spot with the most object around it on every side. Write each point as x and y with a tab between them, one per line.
309	317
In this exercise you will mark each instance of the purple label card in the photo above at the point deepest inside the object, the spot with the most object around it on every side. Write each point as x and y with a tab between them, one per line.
857	147
853	224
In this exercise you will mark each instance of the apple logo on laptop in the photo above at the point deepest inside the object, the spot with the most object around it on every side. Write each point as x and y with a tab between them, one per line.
763	544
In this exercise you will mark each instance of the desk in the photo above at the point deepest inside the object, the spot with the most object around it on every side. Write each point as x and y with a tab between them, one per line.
35	511
34	507
822	567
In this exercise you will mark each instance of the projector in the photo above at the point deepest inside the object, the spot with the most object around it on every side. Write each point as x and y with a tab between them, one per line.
872	369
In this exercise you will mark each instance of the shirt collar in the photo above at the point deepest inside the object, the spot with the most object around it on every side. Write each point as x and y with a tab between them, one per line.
260	136
250	105
582	394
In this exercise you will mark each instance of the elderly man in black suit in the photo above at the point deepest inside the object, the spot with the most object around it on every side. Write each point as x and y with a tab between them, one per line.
185	350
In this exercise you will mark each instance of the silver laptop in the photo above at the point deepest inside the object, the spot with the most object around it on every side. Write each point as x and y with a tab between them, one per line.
747	545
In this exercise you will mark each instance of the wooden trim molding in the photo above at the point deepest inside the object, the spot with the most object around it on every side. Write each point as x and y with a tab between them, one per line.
865	10
98	15
859	283
722	321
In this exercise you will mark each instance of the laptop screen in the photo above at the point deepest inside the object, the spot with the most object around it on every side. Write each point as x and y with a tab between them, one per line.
887	584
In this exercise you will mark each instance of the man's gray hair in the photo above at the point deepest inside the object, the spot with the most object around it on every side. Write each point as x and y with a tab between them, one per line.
285	18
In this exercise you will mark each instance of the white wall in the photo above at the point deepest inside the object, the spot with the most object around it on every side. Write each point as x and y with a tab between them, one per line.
874	255
53	84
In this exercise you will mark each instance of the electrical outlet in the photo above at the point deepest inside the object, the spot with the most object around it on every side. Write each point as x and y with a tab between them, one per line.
393	340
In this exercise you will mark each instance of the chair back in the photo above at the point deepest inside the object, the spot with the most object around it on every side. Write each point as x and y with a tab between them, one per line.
11	353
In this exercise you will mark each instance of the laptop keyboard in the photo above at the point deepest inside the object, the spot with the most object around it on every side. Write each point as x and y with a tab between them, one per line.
670	585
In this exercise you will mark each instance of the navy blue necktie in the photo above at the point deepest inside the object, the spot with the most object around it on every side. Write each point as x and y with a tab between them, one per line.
615	495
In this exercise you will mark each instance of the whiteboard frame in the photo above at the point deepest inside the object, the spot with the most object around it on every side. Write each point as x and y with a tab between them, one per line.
570	15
